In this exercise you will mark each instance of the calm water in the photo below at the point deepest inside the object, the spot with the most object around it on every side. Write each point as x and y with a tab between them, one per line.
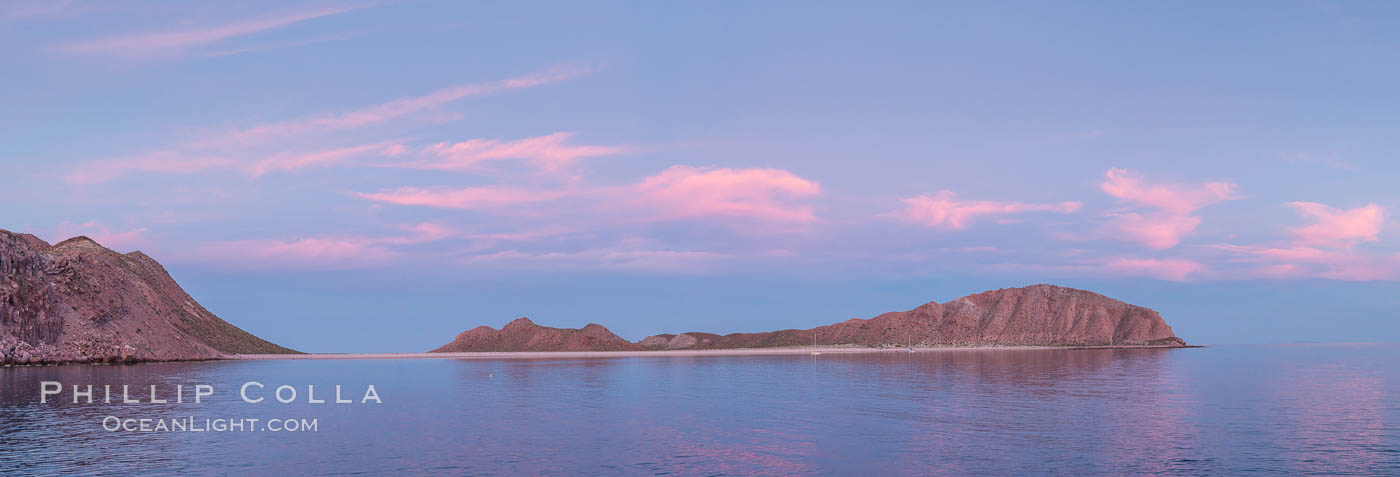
1222	410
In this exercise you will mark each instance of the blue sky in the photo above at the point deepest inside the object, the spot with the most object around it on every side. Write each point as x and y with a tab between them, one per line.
378	176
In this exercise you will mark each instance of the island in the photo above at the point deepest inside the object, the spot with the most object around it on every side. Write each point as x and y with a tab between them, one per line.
1034	316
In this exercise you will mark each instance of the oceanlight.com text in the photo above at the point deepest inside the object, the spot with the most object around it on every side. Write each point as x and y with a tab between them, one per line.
193	424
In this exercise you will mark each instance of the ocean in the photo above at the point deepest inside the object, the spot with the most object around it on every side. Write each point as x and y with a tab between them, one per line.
1225	410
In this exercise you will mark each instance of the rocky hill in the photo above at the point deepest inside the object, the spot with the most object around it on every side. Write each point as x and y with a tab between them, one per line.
524	335
1038	315
77	301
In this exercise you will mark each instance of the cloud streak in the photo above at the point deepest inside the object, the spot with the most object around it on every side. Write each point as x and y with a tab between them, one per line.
177	41
1338	228
549	153
1172	215
1177	270
944	210
383	112
296	161
476	198
682	192
247	149
1326	248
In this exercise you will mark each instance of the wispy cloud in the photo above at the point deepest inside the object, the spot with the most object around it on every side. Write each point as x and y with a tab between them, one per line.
319	252
291	161
944	210
273	46
1338	228
548	153
383	112
311	252
335	252
677	193
478	198
158	43
613	258
1172	206
1326	248
171	162
766	194
1176	270
260	148
1169	269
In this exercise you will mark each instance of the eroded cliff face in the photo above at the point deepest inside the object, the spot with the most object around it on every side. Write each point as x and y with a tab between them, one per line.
80	302
524	335
1038	315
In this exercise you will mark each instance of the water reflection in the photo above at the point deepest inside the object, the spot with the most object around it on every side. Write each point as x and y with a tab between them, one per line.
1223	410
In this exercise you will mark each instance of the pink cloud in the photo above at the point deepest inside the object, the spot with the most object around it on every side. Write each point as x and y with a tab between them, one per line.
155	43
403	245
293	161
1338	228
548	153
1133	188
1171	269
1175	205
312	252
383	112
943	209
486	197
691	192
168	162
322	252
1156	230
1326	248
1385	268
232	149
656	261
1294	253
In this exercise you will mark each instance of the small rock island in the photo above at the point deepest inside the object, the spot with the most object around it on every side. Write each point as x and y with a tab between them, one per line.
1037	315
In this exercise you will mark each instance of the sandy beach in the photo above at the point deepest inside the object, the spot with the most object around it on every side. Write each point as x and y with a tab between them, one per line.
807	350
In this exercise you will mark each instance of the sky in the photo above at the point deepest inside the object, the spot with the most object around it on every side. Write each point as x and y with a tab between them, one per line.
379	176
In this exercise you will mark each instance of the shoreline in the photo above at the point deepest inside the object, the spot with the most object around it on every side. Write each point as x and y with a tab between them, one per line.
801	350
777	351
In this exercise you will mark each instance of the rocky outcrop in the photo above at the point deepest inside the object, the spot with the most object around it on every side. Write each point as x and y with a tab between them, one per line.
1038	315
79	302
524	335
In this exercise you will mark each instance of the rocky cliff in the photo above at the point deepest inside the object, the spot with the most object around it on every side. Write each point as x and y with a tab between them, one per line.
524	335
1038	315
77	302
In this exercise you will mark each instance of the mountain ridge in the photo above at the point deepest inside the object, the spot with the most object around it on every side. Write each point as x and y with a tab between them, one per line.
1036	315
79	302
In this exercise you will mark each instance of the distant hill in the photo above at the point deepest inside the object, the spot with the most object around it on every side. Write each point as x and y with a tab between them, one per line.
524	335
1038	315
77	301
